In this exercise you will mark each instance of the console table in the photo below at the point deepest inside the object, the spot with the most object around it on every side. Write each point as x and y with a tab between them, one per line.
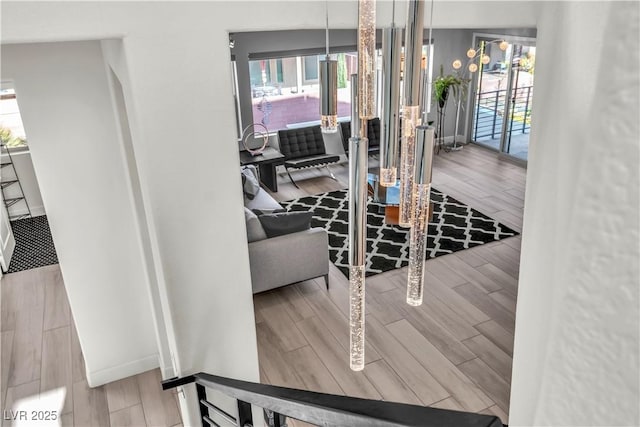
266	163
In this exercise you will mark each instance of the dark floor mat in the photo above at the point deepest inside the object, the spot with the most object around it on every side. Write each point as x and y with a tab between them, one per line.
34	244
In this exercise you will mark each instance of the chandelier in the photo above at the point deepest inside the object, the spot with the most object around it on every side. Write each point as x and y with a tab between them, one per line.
416	153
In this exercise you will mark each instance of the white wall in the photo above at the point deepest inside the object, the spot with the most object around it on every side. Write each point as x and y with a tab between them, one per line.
576	350
24	168
577	326
66	110
118	74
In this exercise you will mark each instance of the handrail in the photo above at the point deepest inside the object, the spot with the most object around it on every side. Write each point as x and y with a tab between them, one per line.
493	105
333	410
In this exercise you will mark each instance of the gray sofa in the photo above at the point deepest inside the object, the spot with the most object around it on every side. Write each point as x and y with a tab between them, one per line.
282	260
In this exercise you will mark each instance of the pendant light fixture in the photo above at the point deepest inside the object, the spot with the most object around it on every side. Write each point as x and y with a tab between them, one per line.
362	109
391	58
420	213
420	141
358	152
416	155
366	60
411	114
328	87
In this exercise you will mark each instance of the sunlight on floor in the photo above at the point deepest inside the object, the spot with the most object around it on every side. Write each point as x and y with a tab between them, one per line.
44	409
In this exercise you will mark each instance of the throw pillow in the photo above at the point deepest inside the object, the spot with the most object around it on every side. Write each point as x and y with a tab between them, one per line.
267	211
278	224
254	227
250	185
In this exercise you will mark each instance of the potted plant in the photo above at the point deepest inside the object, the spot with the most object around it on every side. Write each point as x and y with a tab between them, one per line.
443	84
441	87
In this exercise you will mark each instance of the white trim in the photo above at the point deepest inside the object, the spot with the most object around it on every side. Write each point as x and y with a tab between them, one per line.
511	39
104	376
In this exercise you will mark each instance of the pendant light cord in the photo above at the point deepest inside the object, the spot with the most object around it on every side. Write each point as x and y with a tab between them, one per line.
393	14
326	8
430	27
429	65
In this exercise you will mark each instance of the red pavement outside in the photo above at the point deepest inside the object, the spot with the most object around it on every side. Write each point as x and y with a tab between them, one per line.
290	109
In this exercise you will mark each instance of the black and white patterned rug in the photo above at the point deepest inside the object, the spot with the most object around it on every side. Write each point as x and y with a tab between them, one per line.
34	244
454	227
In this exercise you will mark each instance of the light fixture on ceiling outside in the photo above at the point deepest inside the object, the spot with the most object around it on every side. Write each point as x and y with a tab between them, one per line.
328	73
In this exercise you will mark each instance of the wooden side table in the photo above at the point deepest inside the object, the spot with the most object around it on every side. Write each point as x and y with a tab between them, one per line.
266	163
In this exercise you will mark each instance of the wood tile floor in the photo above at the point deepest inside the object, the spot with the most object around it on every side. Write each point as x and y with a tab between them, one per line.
40	352
455	351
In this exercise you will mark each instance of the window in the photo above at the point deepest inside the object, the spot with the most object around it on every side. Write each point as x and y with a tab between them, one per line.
311	68
285	91
11	128
279	71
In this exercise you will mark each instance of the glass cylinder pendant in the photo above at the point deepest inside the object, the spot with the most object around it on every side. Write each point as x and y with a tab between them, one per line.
418	243
358	168
420	215
410	119
391	53
413	52
358	152
411	112
356	317
366	58
328	95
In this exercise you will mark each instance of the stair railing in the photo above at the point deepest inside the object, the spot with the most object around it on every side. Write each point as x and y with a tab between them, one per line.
318	408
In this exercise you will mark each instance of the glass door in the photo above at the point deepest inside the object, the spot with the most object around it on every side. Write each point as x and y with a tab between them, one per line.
518	123
491	96
503	98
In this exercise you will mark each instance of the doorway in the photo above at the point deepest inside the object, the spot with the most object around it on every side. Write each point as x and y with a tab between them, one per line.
503	97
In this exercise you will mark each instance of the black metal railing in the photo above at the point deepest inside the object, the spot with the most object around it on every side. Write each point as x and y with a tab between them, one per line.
318	408
490	108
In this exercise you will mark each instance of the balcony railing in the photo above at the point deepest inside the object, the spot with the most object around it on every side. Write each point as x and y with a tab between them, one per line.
490	109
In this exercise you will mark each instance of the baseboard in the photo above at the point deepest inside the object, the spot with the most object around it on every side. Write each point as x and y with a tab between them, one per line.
35	211
104	376
459	139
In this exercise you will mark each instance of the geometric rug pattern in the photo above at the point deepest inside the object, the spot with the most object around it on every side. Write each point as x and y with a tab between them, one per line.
34	244
453	227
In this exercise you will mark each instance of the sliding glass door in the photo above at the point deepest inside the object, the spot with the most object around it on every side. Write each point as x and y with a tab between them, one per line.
503	98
